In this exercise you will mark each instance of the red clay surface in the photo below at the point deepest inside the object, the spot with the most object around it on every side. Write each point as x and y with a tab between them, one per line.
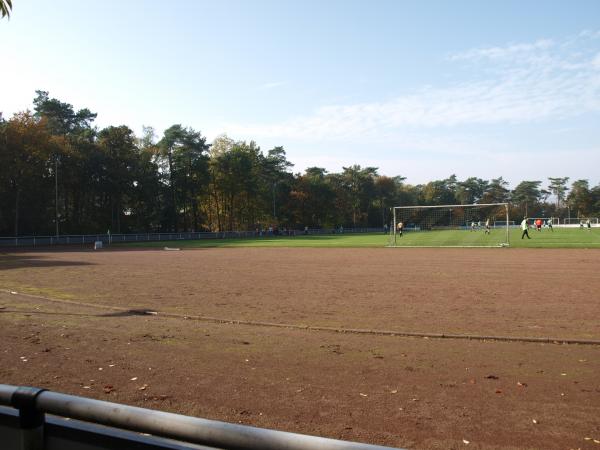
389	390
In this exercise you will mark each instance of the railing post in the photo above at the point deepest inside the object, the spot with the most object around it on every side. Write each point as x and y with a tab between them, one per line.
31	421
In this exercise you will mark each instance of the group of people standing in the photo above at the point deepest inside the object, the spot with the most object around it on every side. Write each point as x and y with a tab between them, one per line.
538	223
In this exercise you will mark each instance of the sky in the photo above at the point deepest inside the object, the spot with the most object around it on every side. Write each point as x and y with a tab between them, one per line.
421	89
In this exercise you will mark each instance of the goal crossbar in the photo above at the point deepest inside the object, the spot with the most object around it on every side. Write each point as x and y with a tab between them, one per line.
450	206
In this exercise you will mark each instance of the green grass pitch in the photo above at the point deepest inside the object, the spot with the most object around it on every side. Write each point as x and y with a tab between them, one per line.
559	238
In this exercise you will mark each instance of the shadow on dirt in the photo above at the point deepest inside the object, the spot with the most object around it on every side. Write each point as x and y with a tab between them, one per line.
44	313
18	261
130	312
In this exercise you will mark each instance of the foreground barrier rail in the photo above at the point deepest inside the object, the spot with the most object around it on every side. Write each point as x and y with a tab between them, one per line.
101	425
89	239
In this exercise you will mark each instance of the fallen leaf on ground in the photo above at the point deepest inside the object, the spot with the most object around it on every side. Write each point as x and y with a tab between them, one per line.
534	421
143	387
108	388
521	384
395	391
498	391
466	442
134	378
492	377
363	395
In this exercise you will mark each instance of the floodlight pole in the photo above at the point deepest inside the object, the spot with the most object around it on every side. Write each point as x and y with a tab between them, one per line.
56	193
507	233
274	183
394	226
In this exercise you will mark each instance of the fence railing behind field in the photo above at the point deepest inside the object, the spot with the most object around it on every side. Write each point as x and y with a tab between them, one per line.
100	425
84	239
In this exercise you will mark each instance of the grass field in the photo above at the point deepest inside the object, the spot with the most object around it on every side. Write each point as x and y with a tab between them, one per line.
559	238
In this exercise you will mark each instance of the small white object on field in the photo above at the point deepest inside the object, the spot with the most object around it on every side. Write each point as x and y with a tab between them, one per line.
172	249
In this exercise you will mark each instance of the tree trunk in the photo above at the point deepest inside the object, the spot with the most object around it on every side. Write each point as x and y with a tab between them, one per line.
17	198
172	187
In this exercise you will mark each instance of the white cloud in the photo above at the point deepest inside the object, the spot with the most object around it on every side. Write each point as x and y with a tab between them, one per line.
273	84
509	51
518	83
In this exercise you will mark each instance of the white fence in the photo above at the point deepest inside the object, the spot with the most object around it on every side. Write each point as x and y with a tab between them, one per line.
85	239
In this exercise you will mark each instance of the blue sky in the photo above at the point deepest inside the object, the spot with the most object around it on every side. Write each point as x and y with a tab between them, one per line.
422	89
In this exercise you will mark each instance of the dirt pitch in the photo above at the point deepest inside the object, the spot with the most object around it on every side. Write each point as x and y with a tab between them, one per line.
83	323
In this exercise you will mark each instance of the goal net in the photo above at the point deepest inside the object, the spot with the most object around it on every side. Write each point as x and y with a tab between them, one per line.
579	222
477	225
503	223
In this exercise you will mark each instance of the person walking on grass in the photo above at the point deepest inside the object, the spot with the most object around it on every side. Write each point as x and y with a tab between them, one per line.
538	225
487	226
525	228
399	228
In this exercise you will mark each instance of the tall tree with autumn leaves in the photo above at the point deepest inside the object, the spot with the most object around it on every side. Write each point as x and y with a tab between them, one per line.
58	169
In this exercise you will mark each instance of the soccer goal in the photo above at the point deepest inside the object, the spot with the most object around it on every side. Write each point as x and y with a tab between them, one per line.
503	223
474	225
579	222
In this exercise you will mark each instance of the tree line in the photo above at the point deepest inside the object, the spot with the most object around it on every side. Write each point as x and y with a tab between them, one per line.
60	174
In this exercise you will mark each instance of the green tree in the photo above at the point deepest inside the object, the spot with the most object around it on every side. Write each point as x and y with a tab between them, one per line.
235	179
558	187
356	189
527	194
24	151
185	163
5	8
595	194
149	191
313	199
191	170
496	191
439	192
385	191
580	198
73	160
119	151
471	190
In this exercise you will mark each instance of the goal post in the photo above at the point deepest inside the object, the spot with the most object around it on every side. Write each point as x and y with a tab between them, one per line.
473	225
579	221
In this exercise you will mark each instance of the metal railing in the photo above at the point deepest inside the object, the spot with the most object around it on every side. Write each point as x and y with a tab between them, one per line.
89	239
101	425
